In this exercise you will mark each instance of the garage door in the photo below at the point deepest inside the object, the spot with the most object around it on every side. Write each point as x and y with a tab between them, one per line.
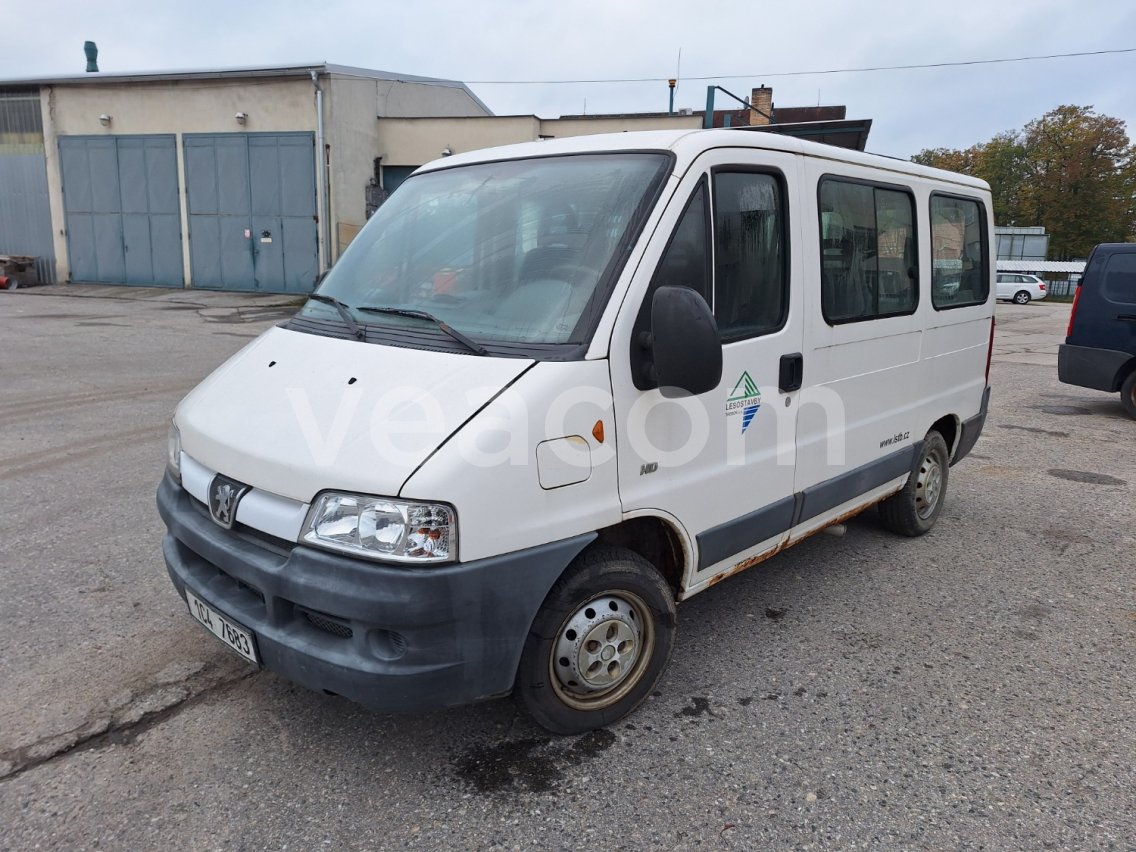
251	199
120	201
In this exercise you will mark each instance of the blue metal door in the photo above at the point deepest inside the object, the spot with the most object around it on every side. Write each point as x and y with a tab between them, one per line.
252	211
121	209
25	211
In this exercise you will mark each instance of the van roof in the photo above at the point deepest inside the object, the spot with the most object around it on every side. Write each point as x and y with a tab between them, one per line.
688	144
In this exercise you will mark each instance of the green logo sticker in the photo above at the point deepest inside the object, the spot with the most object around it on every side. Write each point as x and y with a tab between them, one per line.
744	399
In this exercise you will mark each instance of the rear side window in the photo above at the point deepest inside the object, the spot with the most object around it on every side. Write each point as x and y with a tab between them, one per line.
960	269
868	252
1120	279
750	274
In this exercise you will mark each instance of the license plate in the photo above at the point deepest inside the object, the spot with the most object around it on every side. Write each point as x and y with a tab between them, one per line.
237	638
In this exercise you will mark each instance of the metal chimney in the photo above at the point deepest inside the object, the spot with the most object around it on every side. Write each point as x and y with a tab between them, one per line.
92	51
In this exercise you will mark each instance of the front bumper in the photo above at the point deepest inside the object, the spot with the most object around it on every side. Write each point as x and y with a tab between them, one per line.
394	638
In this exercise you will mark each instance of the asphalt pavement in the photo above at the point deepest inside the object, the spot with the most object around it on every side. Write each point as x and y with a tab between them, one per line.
969	689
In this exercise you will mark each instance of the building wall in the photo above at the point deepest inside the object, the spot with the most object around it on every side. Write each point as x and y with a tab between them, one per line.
1022	243
557	127
415	141
353	137
365	119
178	107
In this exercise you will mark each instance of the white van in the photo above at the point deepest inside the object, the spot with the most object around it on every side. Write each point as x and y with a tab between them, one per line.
553	389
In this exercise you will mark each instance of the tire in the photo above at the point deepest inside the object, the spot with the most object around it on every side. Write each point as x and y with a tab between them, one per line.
578	671
914	510
1021	298
1128	394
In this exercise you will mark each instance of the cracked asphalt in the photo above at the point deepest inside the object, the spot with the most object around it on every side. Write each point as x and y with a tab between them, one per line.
970	689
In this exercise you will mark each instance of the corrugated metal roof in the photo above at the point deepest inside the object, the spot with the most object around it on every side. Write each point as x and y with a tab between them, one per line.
1041	266
1019	229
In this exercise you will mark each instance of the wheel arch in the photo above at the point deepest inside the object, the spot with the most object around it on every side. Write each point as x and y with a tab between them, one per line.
658	540
1122	374
948	427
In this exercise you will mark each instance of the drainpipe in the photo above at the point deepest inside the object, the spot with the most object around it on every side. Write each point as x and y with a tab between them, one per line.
323	188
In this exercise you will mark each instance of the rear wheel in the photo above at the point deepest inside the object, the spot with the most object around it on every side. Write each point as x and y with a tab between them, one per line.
914	510
599	643
1021	298
1128	394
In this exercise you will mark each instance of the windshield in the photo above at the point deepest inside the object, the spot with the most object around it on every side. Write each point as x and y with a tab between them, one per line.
510	251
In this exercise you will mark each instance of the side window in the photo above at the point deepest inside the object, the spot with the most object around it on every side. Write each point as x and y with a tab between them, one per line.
750	280
960	270
686	261
1120	279
868	252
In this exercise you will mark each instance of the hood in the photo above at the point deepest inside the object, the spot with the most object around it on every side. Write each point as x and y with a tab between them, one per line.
295	414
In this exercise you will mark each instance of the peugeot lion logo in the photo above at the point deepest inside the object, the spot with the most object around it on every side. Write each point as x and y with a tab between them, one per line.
224	494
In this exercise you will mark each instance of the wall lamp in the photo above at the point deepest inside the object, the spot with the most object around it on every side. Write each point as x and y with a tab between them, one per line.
104	120
241	117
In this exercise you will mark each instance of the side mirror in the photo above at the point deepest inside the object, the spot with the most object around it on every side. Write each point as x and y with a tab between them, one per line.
685	347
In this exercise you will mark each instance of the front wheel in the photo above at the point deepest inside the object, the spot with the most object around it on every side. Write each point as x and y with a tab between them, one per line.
1128	394
599	643
1021	298
914	510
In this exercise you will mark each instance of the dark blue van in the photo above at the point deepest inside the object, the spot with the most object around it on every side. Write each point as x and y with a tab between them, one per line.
1100	346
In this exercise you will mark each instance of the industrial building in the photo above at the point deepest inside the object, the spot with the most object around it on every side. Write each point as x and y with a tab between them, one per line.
256	178
213	179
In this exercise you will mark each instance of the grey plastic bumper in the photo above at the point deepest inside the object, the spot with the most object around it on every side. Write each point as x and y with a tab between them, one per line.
972	430
395	639
1088	367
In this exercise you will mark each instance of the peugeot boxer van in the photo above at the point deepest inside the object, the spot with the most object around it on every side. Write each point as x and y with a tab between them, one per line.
554	389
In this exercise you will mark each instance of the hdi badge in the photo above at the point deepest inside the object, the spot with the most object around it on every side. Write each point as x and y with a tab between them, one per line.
744	399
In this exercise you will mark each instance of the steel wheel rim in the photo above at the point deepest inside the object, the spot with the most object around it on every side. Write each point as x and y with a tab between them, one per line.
928	486
600	651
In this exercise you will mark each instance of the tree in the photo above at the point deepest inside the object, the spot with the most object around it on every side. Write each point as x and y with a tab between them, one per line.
1072	170
1080	179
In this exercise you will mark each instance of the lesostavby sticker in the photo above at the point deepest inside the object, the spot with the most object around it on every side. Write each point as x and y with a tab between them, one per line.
744	399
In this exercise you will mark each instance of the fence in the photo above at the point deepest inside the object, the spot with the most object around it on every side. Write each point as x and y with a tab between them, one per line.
1061	287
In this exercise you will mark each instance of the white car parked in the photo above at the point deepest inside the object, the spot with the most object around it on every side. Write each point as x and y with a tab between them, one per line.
1020	288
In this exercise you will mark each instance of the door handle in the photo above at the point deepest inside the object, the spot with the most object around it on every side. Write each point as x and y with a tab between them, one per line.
792	373
1126	317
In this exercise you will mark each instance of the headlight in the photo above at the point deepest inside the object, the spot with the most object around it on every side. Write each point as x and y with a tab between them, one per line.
173	453
375	527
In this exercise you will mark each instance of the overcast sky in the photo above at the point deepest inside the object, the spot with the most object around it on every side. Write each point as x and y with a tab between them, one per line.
737	44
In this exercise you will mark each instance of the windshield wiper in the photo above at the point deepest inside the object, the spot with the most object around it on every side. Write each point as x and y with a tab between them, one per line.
472	345
357	330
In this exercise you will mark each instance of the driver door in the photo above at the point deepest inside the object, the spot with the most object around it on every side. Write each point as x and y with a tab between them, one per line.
721	463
